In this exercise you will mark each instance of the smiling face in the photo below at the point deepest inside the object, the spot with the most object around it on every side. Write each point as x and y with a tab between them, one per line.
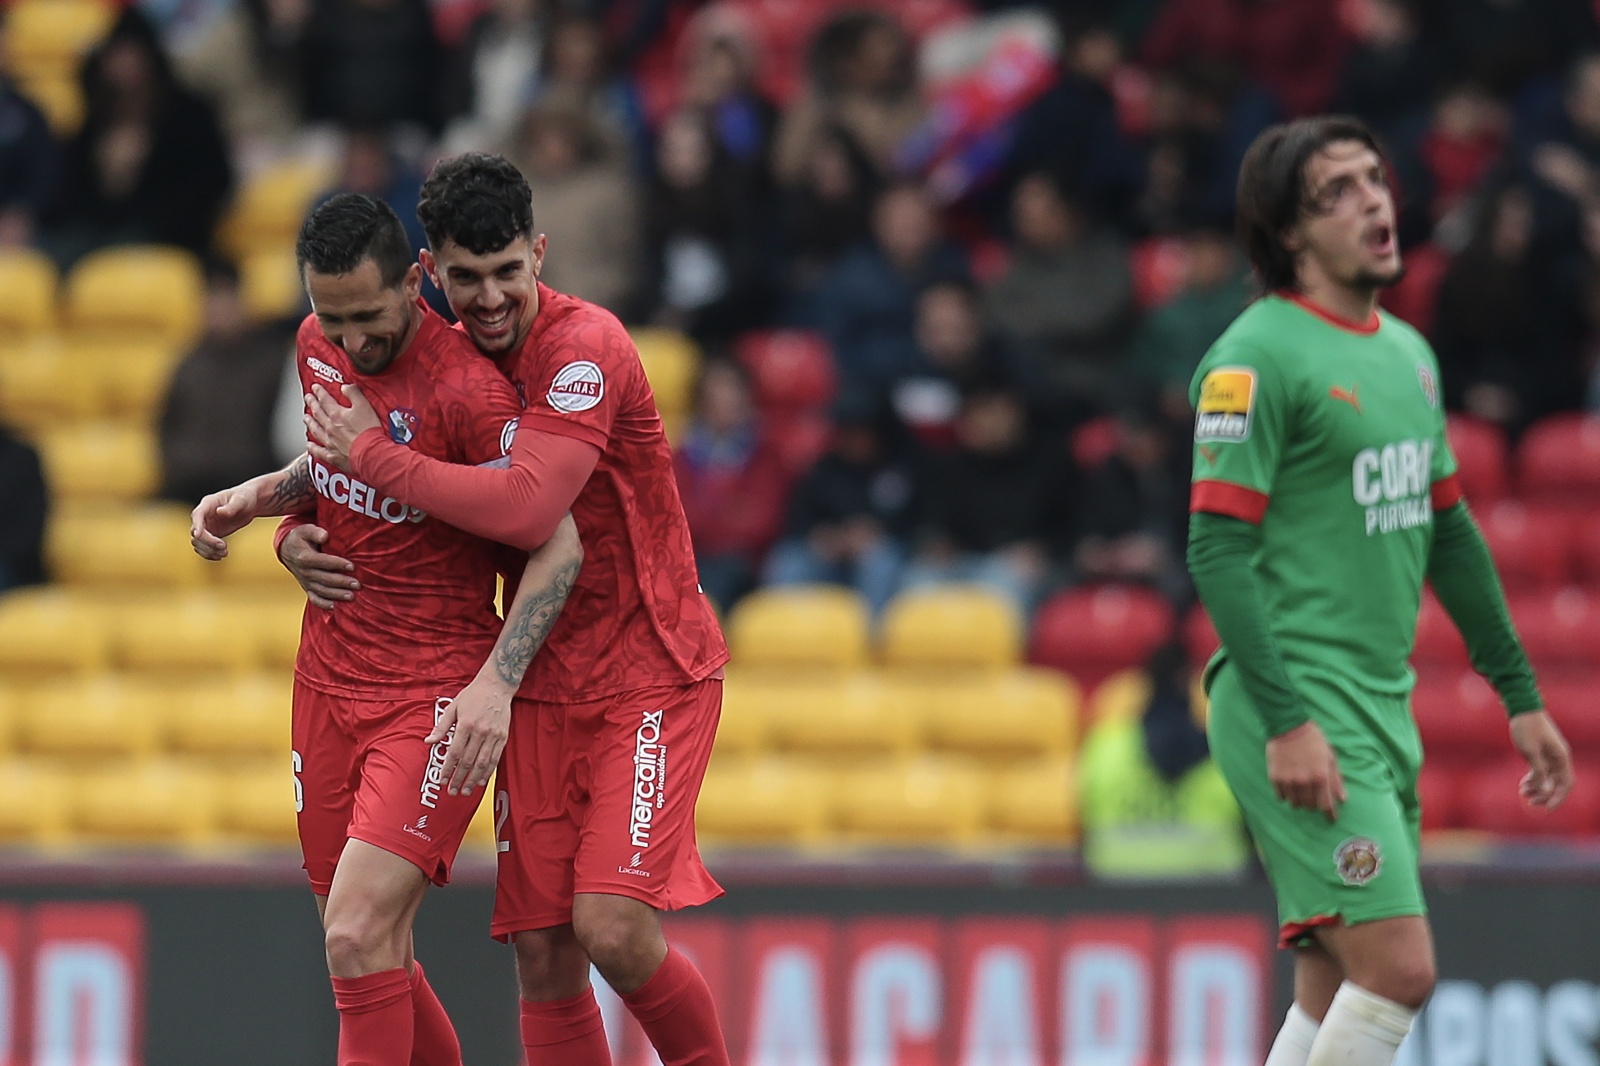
371	321
1346	237
494	294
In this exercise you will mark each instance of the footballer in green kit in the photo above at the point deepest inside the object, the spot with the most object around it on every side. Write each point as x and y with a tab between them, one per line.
1324	494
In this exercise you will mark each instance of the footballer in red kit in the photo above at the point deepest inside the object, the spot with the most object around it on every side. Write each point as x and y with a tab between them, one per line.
380	814
611	738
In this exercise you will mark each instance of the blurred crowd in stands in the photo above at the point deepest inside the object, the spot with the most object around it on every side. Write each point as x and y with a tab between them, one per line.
1009	224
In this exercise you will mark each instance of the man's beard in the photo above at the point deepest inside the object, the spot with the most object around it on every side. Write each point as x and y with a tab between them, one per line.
1371	279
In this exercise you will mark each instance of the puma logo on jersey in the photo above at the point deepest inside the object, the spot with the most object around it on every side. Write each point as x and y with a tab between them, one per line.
1209	454
1347	395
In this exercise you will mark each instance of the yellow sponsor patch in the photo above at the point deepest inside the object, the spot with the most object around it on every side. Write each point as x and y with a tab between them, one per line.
1227	401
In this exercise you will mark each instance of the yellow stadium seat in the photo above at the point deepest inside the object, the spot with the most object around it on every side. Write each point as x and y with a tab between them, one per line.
28	279
271	622
147	547
255	803
764	801
742	728
48	632
253	564
151	291
1024	711
853	717
11	708
35	802
672	365
1122	695
269	284
929	800
133	376
816	627
951	626
51	36
59	98
1034	801
156	801
185	634
480	836
243	716
42	388
271	205
99	717
100	461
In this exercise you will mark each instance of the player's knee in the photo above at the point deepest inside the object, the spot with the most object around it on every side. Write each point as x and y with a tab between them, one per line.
624	941
352	942
1406	981
551	964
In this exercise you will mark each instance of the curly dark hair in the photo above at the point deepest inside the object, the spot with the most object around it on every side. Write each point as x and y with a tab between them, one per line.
480	201
1272	194
339	234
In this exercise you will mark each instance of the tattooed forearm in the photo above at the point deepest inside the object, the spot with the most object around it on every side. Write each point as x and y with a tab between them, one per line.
293	492
530	623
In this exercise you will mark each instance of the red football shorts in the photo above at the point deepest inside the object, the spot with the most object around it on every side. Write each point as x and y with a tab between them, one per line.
362	772
599	797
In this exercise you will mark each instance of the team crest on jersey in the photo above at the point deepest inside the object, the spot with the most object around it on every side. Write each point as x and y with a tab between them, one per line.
402	425
1227	402
1358	860
1430	388
578	387
507	435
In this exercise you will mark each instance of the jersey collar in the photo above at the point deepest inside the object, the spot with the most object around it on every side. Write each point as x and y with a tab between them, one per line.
1370	326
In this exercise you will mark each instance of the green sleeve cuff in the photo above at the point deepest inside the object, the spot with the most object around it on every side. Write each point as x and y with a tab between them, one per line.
1221	551
1464	579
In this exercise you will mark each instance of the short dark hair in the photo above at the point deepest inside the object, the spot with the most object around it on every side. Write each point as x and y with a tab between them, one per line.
480	201
1272	193
348	228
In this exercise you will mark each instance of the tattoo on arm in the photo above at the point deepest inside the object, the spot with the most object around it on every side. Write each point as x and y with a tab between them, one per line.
526	630
293	492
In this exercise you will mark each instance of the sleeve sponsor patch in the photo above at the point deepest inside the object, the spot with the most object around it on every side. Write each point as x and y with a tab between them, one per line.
578	386
507	435
1227	401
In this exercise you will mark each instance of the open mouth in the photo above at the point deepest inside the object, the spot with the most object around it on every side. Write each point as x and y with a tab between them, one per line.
1380	240
494	324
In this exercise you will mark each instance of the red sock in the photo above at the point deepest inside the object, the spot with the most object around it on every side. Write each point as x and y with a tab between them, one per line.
435	1043
565	1032
375	1018
675	1011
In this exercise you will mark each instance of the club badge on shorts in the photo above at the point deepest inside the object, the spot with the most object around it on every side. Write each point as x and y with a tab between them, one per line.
1358	861
1227	401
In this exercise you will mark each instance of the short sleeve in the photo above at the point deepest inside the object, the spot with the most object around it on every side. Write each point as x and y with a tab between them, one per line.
482	411
1243	407
1444	473
584	377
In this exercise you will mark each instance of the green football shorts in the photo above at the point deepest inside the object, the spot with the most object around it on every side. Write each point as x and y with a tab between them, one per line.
1360	867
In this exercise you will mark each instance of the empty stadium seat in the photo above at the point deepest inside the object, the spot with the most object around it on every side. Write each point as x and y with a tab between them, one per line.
855	717
267	212
35	800
256	803
230	716
1439	791
49	37
60	98
28	278
269	284
672	365
270	622
47	632
185	634
132	376
1489	800
1034	801
812	627
1439	650
93	718
1017	713
951	627
741	730
157	801
151	291
1094	442
790	370
145	547
1122	695
1559	459
1459	719
799	438
1092	633
1159	265
1572	702
1481	454
1200	638
42	388
252	563
1585	547
929	800
480	836
1559	629
100	461
764	801
1531	545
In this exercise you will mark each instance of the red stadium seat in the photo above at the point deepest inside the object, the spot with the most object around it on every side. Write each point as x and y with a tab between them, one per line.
1199	635
1460	720
1531	544
1480	449
1094	632
1559	459
1439	650
1159	265
790	370
1585	545
1489	800
1560	630
1439	788
1571	701
800	439
1094	441
1414	298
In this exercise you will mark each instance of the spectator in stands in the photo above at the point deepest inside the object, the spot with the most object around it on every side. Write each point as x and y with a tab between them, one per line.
216	423
1067	295
224	50
149	163
22	521
997	504
584	200
491	72
827	212
1562	167
734	484
1389	74
867	305
864	81
702	272
850	517
1461	145
719	80
956	352
1172	338
28	160
367	62
1505	339
1134	508
577	72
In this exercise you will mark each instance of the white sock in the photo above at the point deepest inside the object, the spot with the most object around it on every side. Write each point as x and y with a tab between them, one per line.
1360	1029
1293	1045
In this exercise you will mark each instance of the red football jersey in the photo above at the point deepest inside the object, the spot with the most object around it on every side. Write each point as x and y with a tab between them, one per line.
636	616
425	615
